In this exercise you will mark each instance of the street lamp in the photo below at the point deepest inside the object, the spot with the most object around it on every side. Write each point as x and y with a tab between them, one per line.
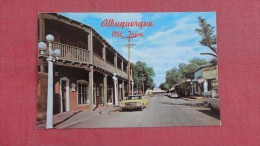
132	87
51	56
115	82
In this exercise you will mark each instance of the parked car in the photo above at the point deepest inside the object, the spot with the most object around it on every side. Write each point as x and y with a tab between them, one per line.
174	95
134	102
213	104
169	94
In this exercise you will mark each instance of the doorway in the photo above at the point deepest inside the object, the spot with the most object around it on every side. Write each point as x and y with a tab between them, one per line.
64	95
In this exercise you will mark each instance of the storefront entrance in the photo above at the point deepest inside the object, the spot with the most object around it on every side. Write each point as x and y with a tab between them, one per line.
64	95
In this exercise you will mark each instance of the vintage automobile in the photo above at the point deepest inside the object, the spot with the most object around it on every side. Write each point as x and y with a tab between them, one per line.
174	95
213	104
134	102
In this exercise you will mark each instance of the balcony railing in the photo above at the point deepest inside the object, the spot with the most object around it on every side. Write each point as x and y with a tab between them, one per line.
97	61
75	54
71	53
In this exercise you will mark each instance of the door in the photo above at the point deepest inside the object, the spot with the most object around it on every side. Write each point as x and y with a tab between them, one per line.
110	96
64	95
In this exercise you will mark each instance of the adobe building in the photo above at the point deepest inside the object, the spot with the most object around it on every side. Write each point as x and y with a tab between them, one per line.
82	78
202	84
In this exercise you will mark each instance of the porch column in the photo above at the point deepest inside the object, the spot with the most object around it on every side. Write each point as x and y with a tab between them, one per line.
205	85
123	90
105	89
122	65
90	74
41	28
42	35
90	85
115	60
90	47
115	79
104	52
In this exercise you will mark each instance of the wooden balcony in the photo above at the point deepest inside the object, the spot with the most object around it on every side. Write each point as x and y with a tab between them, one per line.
98	61
77	55
72	54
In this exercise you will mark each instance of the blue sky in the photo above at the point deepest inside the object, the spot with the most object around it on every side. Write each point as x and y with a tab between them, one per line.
171	40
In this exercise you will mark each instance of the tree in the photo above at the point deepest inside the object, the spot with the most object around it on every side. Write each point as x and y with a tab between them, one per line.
206	31
213	61
142	74
173	76
186	71
165	86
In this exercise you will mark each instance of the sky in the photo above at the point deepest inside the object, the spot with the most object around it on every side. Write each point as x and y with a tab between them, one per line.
171	40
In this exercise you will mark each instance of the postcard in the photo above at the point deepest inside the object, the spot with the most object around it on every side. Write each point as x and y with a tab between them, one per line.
121	70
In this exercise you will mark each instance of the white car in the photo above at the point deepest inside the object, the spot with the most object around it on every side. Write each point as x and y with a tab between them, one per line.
174	95
213	104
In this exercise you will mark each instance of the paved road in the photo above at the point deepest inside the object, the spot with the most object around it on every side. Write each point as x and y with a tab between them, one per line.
161	111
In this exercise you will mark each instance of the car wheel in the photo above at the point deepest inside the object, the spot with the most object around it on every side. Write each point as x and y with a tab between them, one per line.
142	108
122	109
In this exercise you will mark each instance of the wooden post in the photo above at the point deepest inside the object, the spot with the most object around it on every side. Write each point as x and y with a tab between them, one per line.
123	90
91	82
41	28
90	85
90	47
105	89
104	52
115	60
41	36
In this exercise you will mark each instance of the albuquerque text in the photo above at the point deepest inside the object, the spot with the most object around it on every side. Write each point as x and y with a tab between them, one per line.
112	23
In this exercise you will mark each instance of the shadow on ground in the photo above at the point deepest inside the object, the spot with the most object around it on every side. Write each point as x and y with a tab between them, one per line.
201	104
130	110
215	115
67	118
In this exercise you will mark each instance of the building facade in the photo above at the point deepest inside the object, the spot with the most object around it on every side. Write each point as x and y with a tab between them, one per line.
82	77
202	82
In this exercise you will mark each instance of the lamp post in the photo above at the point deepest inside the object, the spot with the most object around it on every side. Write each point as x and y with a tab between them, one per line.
51	56
132	87
115	81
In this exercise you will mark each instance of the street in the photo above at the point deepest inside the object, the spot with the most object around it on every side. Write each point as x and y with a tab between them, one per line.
161	111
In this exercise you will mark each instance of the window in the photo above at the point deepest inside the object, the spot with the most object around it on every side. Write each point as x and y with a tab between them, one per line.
82	92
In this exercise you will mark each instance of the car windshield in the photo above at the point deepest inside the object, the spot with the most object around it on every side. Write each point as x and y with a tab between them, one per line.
133	97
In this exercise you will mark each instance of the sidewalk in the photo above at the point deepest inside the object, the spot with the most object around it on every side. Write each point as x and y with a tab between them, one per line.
63	120
198	100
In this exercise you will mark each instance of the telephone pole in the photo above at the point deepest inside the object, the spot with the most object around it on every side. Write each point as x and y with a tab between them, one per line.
129	45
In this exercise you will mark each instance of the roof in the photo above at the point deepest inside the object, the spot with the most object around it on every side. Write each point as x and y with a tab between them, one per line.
87	26
202	66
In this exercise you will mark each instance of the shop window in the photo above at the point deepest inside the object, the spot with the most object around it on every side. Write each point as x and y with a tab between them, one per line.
82	89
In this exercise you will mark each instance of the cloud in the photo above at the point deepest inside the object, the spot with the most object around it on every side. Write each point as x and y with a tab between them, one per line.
169	47
171	41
